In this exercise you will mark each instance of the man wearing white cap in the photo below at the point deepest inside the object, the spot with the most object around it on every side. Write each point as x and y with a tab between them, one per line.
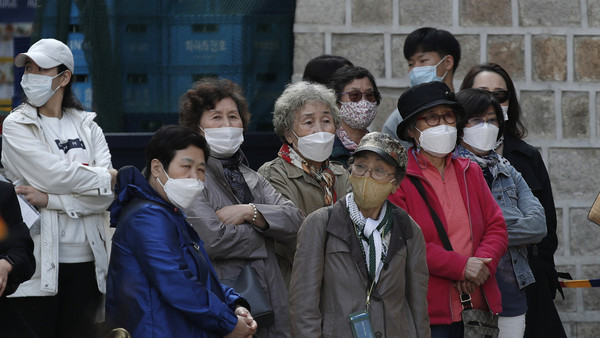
58	159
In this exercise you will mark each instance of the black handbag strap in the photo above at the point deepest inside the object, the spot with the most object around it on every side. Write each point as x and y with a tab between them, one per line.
465	299
436	220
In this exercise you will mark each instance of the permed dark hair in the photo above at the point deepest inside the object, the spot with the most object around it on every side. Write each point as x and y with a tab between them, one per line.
514	126
167	140
429	39
204	95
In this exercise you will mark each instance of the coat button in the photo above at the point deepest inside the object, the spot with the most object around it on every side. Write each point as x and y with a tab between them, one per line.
499	198
378	334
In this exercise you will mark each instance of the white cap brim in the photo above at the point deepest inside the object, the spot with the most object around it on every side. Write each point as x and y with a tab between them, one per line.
40	59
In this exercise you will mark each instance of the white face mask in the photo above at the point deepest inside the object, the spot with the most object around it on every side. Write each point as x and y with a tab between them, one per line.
439	140
481	138
316	147
358	115
505	112
225	141
38	88
426	74
182	191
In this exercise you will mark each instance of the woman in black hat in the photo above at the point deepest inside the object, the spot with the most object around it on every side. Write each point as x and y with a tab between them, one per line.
449	199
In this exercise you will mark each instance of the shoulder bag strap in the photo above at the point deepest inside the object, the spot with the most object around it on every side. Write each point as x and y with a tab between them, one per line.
438	223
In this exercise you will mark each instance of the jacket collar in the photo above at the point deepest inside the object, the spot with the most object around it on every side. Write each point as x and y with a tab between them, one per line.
512	144
31	113
413	168
131	184
343	228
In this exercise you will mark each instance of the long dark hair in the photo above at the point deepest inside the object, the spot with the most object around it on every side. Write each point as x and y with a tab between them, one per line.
69	100
513	127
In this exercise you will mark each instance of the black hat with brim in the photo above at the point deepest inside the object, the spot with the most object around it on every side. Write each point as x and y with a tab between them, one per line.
421	97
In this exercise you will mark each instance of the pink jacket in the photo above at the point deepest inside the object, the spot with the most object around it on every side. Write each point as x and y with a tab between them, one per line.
488	232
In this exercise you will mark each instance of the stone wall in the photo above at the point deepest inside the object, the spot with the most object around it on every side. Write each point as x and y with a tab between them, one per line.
552	50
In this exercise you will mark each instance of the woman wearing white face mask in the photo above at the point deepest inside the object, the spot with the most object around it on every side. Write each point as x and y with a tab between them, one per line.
523	213
305	118
357	98
444	192
60	158
239	214
160	280
542	317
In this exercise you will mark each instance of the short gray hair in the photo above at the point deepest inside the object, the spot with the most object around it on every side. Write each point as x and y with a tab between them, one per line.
294	97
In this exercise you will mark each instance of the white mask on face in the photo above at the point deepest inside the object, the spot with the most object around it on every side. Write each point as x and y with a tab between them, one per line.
316	147
481	138
426	74
439	140
38	88
505	112
182	191
225	141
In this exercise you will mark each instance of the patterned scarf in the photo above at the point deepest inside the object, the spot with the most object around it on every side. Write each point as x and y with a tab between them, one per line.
488	161
324	176
346	140
233	175
374	235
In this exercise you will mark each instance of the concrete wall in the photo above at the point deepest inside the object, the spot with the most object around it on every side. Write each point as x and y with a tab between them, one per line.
551	48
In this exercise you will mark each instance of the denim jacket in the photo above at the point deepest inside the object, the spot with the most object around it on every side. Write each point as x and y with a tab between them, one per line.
524	216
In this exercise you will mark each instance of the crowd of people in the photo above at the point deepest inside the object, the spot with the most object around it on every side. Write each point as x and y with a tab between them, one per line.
348	229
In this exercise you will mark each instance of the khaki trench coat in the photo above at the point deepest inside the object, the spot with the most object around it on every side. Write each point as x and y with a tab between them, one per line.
329	278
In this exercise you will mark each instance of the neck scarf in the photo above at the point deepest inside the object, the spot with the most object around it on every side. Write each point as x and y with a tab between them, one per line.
346	140
374	235
484	161
324	176
234	177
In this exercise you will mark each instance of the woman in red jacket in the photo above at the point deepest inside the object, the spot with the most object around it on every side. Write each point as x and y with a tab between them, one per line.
454	192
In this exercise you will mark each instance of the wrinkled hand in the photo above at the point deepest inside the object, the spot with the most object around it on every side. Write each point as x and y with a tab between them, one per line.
243	328
464	286
235	214
243	312
5	269
477	270
32	195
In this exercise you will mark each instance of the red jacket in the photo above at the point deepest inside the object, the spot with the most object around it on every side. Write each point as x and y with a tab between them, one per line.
488	234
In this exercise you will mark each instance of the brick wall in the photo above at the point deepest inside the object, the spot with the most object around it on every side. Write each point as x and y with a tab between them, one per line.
551	48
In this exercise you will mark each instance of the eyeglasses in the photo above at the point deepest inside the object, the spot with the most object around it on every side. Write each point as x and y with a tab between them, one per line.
479	121
356	95
433	119
500	95
377	174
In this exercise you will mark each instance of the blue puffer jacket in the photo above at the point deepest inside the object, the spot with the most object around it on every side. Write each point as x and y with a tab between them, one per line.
160	280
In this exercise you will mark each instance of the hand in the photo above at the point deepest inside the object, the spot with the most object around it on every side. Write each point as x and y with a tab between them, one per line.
32	195
243	312
464	286
5	269
242	329
113	177
477	270
235	214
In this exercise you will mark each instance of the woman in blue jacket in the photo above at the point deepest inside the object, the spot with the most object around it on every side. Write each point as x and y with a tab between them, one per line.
160	281
479	130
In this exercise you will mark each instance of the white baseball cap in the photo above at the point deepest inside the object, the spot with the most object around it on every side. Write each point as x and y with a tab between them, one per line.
47	53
